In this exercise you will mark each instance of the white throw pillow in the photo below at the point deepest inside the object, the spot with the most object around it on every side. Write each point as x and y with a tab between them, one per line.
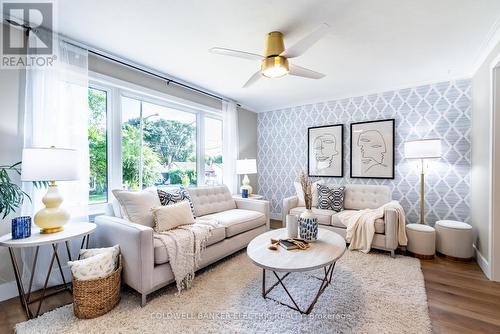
98	266
136	205
300	193
115	251
170	216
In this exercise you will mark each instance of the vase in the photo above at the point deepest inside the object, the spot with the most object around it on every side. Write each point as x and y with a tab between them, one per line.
21	227
308	225
292	226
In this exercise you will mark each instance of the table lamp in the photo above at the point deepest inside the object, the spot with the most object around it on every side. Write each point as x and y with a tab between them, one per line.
245	167
423	149
50	164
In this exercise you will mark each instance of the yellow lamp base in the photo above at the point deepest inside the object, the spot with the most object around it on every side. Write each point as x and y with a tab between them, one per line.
51	230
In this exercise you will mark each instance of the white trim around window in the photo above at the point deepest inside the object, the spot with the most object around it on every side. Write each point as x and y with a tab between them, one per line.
115	89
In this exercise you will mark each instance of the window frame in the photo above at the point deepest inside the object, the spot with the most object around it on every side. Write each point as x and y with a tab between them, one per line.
115	89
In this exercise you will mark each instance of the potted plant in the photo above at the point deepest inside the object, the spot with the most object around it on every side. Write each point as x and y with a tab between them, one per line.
12	197
308	223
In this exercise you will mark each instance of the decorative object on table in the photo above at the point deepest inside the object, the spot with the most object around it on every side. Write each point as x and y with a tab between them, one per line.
325	150
292	226
293	243
244	193
308	223
421	240
245	167
423	149
21	227
330	197
11	195
95	297
454	239
372	149
50	164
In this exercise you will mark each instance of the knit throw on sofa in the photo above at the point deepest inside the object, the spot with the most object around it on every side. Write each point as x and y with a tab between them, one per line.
184	246
361	226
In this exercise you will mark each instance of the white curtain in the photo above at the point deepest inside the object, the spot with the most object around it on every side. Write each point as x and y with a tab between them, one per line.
230	145
56	114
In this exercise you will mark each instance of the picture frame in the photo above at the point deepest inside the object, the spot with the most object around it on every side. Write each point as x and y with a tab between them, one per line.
372	149
325	151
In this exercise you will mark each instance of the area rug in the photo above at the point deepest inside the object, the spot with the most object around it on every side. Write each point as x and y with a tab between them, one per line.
370	293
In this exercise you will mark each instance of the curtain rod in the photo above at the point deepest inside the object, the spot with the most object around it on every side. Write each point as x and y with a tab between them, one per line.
126	62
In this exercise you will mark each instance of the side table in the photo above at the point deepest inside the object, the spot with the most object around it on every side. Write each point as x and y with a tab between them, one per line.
258	197
71	231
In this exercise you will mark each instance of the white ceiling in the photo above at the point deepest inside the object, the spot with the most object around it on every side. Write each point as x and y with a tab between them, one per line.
373	46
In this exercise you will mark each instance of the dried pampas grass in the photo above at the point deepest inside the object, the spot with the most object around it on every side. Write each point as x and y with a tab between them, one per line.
306	185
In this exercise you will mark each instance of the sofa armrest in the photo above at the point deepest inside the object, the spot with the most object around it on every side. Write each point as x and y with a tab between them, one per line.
255	205
391	228
288	204
136	247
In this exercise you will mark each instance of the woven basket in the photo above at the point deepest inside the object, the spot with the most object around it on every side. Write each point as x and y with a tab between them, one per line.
93	298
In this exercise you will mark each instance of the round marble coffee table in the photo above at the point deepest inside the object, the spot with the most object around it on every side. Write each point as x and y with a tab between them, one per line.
321	254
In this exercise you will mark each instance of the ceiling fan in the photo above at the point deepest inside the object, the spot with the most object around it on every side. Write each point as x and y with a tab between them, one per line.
274	63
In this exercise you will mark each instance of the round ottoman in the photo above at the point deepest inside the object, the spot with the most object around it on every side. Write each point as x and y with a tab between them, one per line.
421	240
454	239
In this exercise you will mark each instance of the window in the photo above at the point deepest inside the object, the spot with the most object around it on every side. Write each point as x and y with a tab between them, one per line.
98	182
158	145
140	137
213	151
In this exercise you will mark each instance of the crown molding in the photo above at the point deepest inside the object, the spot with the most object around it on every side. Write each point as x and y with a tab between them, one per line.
490	42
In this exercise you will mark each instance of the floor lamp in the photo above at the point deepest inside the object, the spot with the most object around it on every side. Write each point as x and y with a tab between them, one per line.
423	149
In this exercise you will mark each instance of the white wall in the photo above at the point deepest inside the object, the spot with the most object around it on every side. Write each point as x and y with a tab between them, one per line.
481	158
11	143
247	124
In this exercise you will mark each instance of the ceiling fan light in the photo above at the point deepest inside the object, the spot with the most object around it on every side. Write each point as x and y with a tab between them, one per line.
274	67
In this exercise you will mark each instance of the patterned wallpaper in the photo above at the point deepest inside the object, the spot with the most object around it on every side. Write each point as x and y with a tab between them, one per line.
440	110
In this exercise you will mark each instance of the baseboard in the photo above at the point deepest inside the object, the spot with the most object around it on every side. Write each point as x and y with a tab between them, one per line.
482	262
8	290
275	216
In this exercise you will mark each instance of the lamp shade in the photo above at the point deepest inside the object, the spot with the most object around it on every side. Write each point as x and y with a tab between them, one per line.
423	149
49	164
247	166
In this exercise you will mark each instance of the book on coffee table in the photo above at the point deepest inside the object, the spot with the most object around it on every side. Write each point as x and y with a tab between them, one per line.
290	245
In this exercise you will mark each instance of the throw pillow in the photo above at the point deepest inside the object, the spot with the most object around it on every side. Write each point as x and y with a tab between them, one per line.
330	198
170	216
136	205
115	251
98	266
176	196
300	193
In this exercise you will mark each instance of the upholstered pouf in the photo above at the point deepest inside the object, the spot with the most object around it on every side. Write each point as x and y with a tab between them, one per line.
454	239
421	240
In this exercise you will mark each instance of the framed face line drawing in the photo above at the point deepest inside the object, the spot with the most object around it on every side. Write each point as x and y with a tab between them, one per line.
372	149
325	150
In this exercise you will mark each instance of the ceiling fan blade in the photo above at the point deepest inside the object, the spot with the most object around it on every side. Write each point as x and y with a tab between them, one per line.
236	53
304	72
253	79
305	43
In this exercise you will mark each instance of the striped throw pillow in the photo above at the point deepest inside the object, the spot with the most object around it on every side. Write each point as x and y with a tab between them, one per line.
330	198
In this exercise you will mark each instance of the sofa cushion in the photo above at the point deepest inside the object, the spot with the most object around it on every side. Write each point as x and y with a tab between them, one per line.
330	198
207	200
161	254
136	205
379	223
238	221
361	196
324	216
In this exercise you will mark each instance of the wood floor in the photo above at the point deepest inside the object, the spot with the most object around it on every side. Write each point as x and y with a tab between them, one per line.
461	299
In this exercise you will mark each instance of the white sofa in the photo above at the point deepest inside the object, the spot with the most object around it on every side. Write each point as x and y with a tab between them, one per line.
146	265
356	197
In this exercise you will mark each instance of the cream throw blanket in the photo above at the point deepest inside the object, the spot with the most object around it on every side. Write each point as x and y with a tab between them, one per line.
361	225
184	245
